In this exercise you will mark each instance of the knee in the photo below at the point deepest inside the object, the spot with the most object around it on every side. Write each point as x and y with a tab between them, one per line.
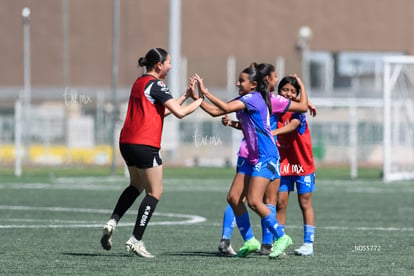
270	199
233	201
305	202
157	193
253	205
282	203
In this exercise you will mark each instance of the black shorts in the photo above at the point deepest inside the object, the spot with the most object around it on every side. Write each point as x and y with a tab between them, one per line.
140	156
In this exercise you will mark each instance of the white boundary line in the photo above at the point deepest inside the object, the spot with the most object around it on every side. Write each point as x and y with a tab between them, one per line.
188	219
346	228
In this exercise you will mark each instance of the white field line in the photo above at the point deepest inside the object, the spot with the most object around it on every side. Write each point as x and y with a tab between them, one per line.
212	185
345	228
188	219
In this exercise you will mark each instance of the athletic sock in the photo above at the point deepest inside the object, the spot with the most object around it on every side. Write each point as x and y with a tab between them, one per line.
267	236
125	201
228	223
145	211
245	228
272	224
308	233
283	229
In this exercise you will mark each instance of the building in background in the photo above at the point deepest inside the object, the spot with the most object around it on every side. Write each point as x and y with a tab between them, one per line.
211	31
339	56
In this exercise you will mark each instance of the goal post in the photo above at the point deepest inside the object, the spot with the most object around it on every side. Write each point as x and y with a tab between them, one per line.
398	115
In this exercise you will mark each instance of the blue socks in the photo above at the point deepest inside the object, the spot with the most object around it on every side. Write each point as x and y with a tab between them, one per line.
267	236
228	223
308	233
245	228
271	229
271	222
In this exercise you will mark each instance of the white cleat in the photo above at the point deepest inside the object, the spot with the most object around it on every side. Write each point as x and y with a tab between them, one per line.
305	250
137	247
107	232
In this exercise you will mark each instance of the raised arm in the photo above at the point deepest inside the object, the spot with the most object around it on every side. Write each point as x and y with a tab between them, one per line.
302	105
180	111
221	107
207	107
183	98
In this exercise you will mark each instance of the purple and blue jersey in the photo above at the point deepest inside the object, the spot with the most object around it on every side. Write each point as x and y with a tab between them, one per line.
255	124
279	106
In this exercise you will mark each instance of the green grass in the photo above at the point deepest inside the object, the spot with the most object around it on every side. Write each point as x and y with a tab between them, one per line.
43	173
376	218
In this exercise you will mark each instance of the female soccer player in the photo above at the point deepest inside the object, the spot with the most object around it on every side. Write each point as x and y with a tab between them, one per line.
259	167
140	142
296	164
280	105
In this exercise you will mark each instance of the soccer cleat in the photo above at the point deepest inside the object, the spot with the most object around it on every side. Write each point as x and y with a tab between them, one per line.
225	248
265	249
137	247
248	247
280	245
108	230
305	250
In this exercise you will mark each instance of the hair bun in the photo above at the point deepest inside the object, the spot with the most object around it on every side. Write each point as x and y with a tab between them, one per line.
142	61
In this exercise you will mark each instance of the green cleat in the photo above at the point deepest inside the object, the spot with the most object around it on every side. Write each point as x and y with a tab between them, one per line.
280	245
248	247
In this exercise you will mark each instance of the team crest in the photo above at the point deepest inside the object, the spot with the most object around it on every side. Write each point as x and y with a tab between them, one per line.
161	83
163	86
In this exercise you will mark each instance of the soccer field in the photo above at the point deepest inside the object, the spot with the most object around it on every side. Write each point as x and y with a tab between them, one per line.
51	225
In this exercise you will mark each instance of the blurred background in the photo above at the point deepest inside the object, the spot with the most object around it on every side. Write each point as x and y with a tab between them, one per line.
67	67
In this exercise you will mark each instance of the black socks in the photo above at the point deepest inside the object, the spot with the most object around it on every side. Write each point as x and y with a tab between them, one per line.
145	211
126	199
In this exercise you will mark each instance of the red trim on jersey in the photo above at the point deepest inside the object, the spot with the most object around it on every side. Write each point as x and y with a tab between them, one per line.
144	119
296	157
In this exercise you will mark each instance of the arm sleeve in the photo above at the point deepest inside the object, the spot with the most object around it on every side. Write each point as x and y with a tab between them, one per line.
160	92
279	104
302	119
249	102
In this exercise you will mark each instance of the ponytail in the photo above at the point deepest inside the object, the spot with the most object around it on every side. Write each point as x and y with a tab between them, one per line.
153	56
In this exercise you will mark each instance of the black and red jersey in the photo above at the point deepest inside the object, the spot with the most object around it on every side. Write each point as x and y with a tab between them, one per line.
145	116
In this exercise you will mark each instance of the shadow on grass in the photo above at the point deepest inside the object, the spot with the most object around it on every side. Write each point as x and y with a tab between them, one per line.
97	254
195	254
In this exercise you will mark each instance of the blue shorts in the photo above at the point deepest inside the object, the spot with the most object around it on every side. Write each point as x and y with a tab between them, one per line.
268	168
304	184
